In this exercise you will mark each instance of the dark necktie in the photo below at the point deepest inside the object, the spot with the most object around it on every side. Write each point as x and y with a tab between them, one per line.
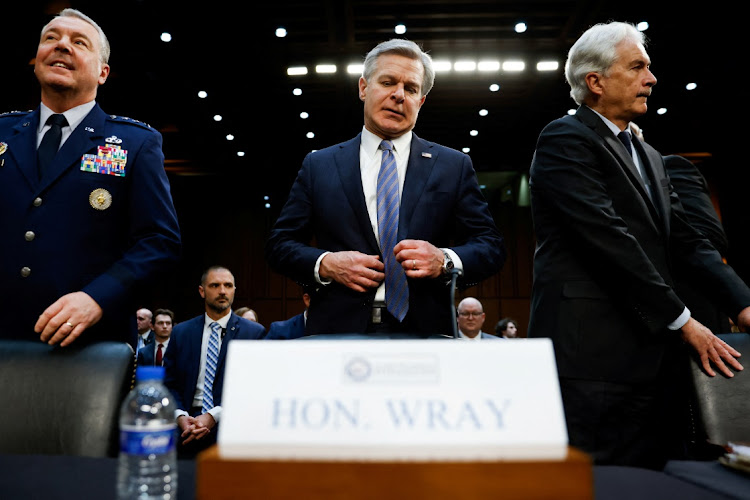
50	143
159	354
625	139
396	288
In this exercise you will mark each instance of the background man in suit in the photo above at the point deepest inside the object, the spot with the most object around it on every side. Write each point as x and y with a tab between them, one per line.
194	362
145	325
470	320
292	328
85	208
695	197
609	229
385	272
153	354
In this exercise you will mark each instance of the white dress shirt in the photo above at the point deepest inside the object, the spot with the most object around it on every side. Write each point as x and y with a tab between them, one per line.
74	116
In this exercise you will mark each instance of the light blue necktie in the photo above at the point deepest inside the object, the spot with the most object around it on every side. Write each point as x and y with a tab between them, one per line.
212	358
396	288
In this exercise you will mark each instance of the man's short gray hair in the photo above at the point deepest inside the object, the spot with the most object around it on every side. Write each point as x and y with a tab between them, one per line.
404	48
596	51
103	42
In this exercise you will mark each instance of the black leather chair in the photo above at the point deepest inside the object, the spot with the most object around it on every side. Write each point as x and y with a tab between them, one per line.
722	405
62	401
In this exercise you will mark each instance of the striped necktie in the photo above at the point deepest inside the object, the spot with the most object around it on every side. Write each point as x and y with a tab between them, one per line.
212	358
396	288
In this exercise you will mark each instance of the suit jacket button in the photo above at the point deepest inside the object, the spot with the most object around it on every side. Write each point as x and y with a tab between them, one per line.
29	235
37	202
25	272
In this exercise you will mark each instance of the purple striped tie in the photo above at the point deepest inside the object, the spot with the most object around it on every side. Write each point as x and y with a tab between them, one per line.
396	288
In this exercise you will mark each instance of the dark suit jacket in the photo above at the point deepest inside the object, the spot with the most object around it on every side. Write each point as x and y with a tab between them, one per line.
147	354
149	339
55	241
441	203
182	360
291	328
605	254
695	197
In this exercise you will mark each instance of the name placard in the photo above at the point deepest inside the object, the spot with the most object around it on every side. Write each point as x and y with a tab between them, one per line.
392	400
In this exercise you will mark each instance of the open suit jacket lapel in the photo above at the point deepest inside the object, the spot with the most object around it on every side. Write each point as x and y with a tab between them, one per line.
421	160
193	358
649	161
623	158
347	165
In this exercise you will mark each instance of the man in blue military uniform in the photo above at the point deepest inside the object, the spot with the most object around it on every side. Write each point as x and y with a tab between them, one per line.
86	215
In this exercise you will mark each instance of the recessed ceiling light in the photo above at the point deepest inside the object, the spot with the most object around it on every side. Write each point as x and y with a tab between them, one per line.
296	71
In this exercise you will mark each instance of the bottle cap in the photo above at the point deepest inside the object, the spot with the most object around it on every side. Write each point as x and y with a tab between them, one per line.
149	373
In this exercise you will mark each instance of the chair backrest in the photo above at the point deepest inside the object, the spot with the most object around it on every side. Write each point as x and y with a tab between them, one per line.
62	400
722	403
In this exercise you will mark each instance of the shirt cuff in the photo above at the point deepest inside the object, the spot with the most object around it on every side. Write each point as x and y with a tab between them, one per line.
216	413
317	270
680	322
180	413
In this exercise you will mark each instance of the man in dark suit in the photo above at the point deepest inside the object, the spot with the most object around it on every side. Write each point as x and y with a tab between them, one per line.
385	272
471	319
145	325
609	229
695	197
152	354
86	215
292	328
194	362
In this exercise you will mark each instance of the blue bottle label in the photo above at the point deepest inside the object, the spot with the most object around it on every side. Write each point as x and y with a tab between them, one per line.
137	441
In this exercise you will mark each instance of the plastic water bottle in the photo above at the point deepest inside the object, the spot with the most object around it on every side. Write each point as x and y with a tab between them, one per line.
148	433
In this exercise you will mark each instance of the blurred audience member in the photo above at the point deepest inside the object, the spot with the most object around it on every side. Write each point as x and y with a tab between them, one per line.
506	328
153	353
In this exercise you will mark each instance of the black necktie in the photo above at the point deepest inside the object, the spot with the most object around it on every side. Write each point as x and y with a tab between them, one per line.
625	140
624	137
50	143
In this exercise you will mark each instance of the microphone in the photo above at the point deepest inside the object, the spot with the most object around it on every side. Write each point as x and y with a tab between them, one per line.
455	274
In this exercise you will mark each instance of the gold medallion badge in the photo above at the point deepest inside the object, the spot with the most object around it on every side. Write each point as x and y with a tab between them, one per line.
100	199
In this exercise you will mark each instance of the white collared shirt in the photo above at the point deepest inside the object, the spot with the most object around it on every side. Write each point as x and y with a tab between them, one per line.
461	335
74	116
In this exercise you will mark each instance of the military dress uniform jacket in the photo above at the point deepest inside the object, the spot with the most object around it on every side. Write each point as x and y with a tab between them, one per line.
80	228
